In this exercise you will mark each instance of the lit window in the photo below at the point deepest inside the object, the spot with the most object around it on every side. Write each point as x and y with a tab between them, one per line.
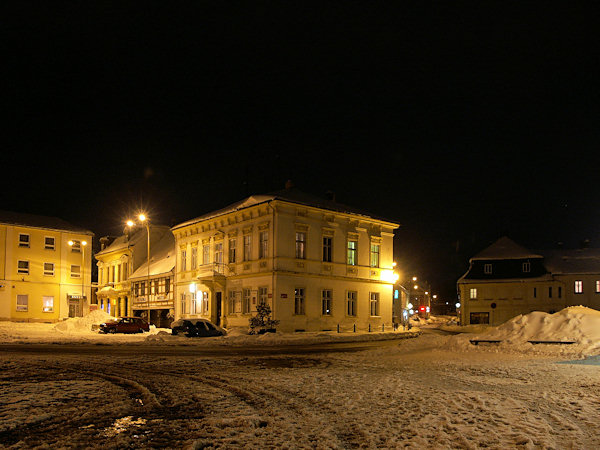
206	254
487	269
326	299
76	247
300	245
231	251
183	304
205	302
23	267
183	260
23	240
47	304
75	271
473	293
352	253
194	256
246	294
262	295
374	303
351	303
299	301
247	247
263	248
597	286
375	255
22	302
579	287
49	243
219	253
526	267
49	269
327	243
192	303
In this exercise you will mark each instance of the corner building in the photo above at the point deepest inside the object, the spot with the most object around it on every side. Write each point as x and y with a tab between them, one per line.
320	265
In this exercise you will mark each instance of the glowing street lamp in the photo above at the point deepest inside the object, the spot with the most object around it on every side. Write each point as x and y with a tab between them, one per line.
145	221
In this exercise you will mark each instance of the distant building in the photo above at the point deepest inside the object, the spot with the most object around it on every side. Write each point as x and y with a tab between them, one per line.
43	278
506	279
125	285
317	263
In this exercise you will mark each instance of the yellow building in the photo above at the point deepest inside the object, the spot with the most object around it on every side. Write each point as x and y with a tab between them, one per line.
506	279
317	263
123	274
45	267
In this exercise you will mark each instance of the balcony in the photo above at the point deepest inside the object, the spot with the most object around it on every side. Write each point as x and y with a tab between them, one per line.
210	271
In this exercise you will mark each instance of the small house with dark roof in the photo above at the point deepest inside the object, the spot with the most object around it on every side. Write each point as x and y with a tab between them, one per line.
507	279
45	268
317	263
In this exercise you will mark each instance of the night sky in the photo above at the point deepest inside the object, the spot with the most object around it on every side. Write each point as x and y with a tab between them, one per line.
461	123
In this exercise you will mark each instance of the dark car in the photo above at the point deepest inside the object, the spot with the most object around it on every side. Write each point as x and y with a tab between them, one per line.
125	325
196	328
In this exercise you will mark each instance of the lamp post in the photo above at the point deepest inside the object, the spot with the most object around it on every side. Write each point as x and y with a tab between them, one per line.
82	245
145	221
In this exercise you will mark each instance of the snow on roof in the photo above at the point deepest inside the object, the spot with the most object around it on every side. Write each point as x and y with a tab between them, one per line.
291	195
505	248
135	237
162	258
579	261
35	221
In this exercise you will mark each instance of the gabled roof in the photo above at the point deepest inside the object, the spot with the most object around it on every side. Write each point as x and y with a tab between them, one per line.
137	236
36	221
162	258
291	195
505	248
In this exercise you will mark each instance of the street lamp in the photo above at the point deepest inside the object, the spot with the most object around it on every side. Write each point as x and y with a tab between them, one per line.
145	221
82	247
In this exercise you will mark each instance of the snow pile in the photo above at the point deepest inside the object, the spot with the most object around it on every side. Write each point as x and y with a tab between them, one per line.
83	324
576	324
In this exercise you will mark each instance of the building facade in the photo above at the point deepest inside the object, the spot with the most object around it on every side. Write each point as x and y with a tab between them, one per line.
45	267
127	285
506	280
318	264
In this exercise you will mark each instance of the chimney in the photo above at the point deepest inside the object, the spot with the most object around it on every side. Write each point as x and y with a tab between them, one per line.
104	242
331	195
289	184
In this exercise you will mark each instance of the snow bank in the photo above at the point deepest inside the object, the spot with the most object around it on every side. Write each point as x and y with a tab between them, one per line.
83	324
575	323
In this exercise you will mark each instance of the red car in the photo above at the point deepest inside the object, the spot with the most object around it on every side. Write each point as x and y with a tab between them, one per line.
125	325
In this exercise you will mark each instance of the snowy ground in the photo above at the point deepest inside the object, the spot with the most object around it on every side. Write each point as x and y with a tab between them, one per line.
433	391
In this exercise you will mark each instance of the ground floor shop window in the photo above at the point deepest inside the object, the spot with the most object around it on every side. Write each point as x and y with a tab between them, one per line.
22	302
47	304
479	318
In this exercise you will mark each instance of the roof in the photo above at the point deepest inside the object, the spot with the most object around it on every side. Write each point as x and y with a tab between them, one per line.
291	195
579	261
137	236
36	221
505	248
162	258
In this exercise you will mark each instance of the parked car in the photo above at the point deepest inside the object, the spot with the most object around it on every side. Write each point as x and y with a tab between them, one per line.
125	325
196	328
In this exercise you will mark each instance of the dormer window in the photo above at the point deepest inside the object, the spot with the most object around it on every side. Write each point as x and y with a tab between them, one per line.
487	269
526	267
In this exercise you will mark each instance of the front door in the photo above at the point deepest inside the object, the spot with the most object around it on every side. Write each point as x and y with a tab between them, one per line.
218	300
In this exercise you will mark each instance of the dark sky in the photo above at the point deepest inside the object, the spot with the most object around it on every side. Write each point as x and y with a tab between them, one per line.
462	123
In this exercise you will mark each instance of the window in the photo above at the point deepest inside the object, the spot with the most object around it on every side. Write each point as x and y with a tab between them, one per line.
246	300
327	242
534	292
375	255
232	250
219	253
247	247
118	272
183	260
22	302
23	240
205	302
76	247
326	297
114	272
262	295
550	292
300	245
235	302
143	288
167	285
206	254
526	267
473	293
352	255
351	303
487	269
125	270
560	292
194	261
75	271
49	269
47	304
183	304
374	303
263	249
479	318
49	243
193	303
579	287
299	301
23	267
597	286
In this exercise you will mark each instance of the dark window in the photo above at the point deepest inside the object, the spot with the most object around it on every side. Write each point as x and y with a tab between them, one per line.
479	318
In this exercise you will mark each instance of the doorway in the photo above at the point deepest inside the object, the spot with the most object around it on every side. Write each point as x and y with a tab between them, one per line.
219	306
